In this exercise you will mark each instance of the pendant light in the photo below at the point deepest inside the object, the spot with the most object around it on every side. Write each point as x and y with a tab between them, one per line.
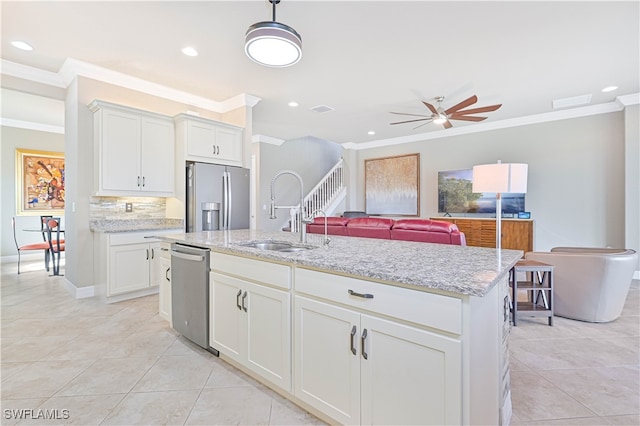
272	43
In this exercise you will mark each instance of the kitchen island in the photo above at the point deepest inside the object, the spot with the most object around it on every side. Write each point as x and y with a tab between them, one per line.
365	331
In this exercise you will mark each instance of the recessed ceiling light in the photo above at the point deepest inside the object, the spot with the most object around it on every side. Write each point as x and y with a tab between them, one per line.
293	104
609	88
189	51
22	45
371	132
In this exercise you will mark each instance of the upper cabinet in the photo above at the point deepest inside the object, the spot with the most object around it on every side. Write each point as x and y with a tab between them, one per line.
209	141
133	150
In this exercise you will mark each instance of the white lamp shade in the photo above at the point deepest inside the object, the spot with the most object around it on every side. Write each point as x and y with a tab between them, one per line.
500	178
273	44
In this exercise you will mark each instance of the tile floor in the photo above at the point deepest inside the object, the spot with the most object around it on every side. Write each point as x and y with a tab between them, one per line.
120	364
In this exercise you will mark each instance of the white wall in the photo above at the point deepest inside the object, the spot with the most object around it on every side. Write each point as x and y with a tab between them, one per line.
576	186
632	180
13	138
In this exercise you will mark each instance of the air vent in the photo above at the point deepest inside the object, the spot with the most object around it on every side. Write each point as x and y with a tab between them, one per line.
321	109
570	102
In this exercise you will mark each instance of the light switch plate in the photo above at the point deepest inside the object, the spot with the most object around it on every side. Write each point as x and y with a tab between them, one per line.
128	207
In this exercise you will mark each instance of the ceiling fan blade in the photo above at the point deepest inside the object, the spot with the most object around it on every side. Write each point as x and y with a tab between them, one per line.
466	118
431	107
412	121
469	101
447	124
479	110
423	124
406	113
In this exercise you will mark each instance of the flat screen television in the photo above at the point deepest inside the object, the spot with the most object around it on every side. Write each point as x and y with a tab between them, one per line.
455	195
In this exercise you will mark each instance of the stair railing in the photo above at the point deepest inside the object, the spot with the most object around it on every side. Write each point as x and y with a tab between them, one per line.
323	193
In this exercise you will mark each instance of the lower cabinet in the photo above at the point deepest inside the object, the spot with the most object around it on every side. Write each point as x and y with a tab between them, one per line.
164	272
361	369
128	264
251	324
133	267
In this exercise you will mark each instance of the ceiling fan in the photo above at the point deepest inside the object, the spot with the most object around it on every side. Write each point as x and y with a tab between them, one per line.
441	116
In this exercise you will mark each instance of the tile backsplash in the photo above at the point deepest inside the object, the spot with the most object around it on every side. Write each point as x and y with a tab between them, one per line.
115	208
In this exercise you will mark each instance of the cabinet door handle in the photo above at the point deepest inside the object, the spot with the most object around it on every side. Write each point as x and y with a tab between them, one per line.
138	181
352	337
363	295
362	341
238	300
153	253
147	254
143	181
166	275
244	298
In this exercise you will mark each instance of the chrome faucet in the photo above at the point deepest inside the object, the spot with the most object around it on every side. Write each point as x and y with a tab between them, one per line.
273	207
326	240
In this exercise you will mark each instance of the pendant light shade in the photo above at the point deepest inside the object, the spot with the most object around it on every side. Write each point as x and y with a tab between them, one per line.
272	43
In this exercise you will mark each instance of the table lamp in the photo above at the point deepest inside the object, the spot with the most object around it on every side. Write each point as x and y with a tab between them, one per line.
500	178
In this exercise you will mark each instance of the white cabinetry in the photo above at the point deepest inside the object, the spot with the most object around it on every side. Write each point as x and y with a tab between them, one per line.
129	263
209	141
133	150
250	322
164	309
359	368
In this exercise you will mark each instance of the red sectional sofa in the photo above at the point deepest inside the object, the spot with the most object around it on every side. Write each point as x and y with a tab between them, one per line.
423	230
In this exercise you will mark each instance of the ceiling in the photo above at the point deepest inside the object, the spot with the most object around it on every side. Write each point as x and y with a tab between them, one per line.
362	58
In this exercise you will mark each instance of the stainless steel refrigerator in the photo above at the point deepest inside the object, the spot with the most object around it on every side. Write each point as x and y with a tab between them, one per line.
214	186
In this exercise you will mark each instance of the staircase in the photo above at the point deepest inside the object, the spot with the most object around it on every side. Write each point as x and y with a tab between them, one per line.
326	195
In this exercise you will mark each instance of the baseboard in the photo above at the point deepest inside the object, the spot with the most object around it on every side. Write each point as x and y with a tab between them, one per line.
79	292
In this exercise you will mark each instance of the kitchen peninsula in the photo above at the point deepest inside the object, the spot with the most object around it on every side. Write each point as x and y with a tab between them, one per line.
365	331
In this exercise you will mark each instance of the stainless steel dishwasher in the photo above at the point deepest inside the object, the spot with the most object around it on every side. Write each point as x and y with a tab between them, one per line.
190	292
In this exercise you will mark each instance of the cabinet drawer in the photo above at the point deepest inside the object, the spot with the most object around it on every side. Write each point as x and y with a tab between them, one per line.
419	307
165	250
255	270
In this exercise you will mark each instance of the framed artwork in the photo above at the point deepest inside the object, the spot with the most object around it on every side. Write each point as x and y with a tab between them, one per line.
392	185
39	182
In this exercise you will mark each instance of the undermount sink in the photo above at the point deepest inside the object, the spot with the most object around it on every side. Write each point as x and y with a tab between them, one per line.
281	246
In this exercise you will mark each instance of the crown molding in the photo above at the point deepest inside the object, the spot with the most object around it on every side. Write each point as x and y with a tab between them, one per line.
495	125
267	139
627	100
26	72
30	125
73	68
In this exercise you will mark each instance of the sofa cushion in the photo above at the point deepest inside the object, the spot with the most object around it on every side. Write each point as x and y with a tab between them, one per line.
335	225
331	221
370	227
425	225
427	231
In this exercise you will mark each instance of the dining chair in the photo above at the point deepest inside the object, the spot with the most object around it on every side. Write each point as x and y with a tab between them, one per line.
28	247
43	231
56	245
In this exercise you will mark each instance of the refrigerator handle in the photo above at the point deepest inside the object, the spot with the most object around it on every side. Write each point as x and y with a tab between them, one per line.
225	201
230	194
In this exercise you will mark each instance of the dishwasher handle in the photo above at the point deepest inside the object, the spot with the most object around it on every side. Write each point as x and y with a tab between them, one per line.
185	256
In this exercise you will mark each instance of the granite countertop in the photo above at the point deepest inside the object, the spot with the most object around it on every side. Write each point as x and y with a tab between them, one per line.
134	225
458	269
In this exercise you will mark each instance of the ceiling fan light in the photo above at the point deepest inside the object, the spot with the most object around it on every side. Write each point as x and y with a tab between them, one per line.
273	44
441	119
